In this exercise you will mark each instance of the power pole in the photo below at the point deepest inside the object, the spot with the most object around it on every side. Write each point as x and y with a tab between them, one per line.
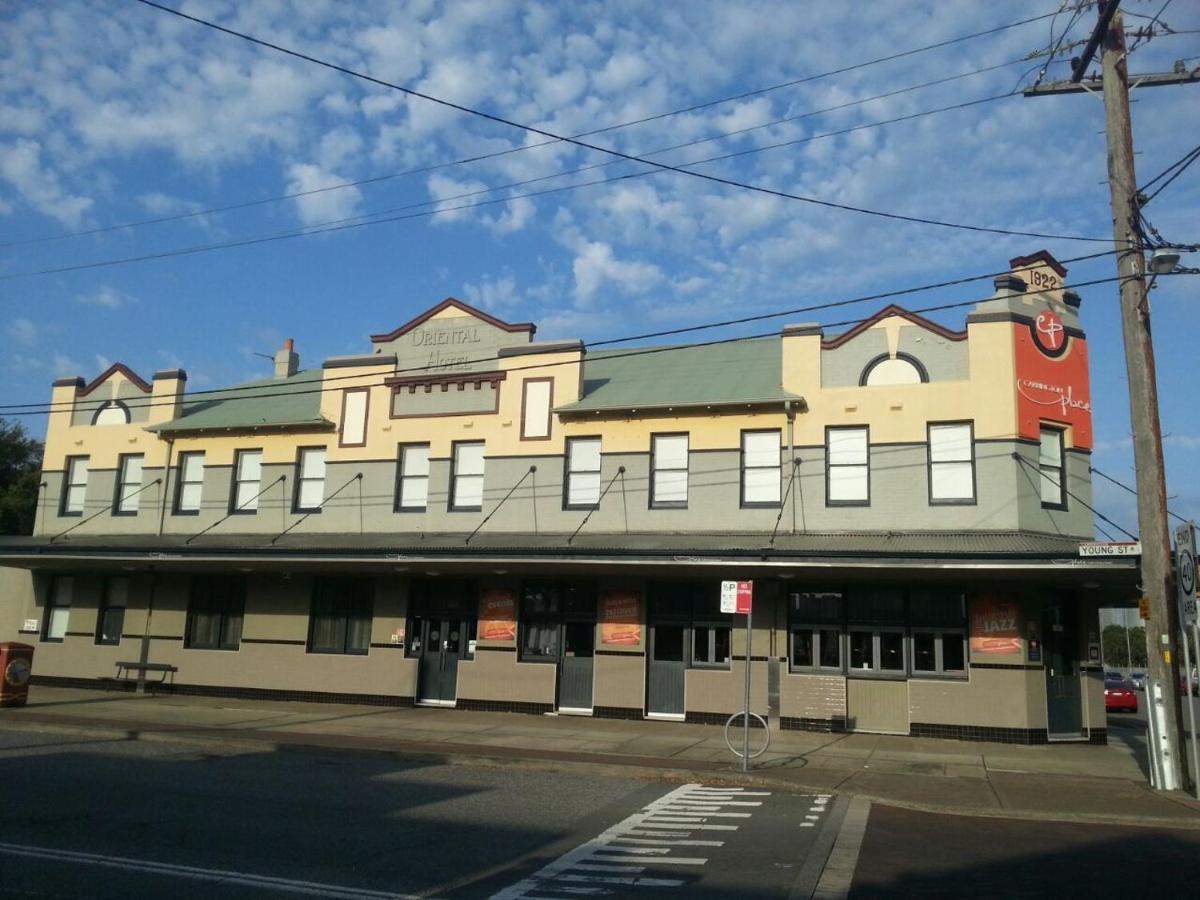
1158	580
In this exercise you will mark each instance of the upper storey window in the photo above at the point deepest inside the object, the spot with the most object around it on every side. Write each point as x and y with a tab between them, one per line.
466	479
951	463
848	467
886	370
669	470
761	468
191	483
310	479
74	486
583	473
1051	465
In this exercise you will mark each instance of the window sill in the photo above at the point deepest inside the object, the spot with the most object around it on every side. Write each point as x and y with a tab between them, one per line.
185	512
831	504
317	652
801	670
876	675
710	667
950	502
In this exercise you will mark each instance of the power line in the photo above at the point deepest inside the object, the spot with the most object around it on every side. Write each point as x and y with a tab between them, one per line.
1183	164
715	179
725	323
372	218
1130	490
1133	537
512	150
268	392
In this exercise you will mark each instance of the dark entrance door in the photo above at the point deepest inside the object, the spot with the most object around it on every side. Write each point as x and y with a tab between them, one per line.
442	624
1064	705
575	665
664	689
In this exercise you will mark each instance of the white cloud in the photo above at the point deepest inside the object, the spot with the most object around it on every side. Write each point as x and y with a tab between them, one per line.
103	363
23	331
493	294
62	365
595	265
106	297
326	206
21	166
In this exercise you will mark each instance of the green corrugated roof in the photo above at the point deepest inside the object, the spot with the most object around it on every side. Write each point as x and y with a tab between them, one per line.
266	403
746	371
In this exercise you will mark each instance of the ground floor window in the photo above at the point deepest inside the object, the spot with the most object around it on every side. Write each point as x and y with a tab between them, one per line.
58	608
691	612
341	616
552	613
111	620
877	631
215	612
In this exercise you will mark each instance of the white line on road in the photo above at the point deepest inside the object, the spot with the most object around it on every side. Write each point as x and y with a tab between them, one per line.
195	873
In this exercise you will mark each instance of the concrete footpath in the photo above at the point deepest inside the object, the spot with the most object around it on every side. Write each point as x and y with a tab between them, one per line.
1059	782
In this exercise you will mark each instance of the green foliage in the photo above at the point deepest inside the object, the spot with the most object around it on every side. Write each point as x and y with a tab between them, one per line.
1116	650
20	469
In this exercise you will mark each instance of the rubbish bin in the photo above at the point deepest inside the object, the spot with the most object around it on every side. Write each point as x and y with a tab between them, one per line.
16	662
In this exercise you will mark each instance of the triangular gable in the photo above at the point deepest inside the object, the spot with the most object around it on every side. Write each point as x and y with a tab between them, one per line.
453	303
108	373
887	312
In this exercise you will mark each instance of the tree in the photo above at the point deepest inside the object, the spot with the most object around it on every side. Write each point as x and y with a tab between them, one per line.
1116	649
20	477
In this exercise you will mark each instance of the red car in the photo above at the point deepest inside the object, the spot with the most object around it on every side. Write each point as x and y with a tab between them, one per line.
1119	696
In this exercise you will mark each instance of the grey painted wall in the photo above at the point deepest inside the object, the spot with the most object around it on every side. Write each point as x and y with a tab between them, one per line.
1007	498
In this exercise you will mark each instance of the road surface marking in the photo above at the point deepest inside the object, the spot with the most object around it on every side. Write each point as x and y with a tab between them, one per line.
196	873
608	859
843	859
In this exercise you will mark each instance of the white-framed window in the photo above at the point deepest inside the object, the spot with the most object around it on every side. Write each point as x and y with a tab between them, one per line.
668	470
58	608
129	483
761	467
247	481
191	483
537	399
354	417
310	479
582	488
466	477
75	480
1051	465
951	462
847	467
412	483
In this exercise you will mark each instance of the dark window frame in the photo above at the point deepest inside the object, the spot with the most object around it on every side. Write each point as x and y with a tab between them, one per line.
298	490
929	463
829	466
236	480
922	372
226	607
525	382
693	604
68	484
177	507
1044	428
654	502
818	624
401	450
107	607
758	504
346	392
568	471
345	599
111	404
451	506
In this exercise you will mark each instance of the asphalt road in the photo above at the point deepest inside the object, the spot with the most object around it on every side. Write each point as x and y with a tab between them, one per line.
89	817
920	855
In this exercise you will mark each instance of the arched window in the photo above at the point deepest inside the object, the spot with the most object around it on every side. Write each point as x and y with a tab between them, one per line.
885	370
113	412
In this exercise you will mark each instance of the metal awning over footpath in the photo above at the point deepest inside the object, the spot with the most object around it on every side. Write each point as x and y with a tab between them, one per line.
936	555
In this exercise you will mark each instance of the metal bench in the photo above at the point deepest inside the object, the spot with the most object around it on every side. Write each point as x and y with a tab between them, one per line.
138	670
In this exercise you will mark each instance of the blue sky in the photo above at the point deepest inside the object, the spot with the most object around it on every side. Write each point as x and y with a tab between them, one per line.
112	112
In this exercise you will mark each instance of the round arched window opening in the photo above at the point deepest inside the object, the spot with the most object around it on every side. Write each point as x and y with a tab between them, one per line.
887	370
113	412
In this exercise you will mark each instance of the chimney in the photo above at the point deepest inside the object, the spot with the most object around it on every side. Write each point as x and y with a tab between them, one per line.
287	362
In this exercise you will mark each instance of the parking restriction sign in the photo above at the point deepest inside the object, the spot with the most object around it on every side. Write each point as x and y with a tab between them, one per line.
1185	572
736	596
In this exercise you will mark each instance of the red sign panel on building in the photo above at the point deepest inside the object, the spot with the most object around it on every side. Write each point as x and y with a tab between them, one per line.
1052	378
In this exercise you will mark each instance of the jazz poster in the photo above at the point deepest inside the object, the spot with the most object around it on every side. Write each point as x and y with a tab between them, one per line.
995	625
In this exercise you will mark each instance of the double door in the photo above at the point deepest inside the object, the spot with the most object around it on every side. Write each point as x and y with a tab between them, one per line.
441	626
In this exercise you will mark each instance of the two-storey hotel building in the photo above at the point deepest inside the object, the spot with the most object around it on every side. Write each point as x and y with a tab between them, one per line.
464	516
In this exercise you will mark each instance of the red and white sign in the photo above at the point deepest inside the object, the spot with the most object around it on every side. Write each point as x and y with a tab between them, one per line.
736	596
1049	332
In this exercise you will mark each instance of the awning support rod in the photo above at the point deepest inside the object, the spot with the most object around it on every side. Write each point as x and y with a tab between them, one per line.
532	469
311	511
620	474
239	509
104	510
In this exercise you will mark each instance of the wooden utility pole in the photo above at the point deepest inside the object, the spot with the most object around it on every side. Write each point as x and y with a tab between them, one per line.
1158	582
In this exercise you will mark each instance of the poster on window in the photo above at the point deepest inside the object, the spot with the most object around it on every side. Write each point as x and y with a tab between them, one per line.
498	615
621	618
995	625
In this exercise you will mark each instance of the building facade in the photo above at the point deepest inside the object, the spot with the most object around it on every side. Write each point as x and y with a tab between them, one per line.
464	516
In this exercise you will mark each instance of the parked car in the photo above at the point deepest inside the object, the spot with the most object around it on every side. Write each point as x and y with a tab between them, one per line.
1119	695
1138	679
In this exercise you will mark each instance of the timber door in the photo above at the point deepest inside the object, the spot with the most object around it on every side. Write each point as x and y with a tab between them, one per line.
442	623
575	666
665	672
1064	704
